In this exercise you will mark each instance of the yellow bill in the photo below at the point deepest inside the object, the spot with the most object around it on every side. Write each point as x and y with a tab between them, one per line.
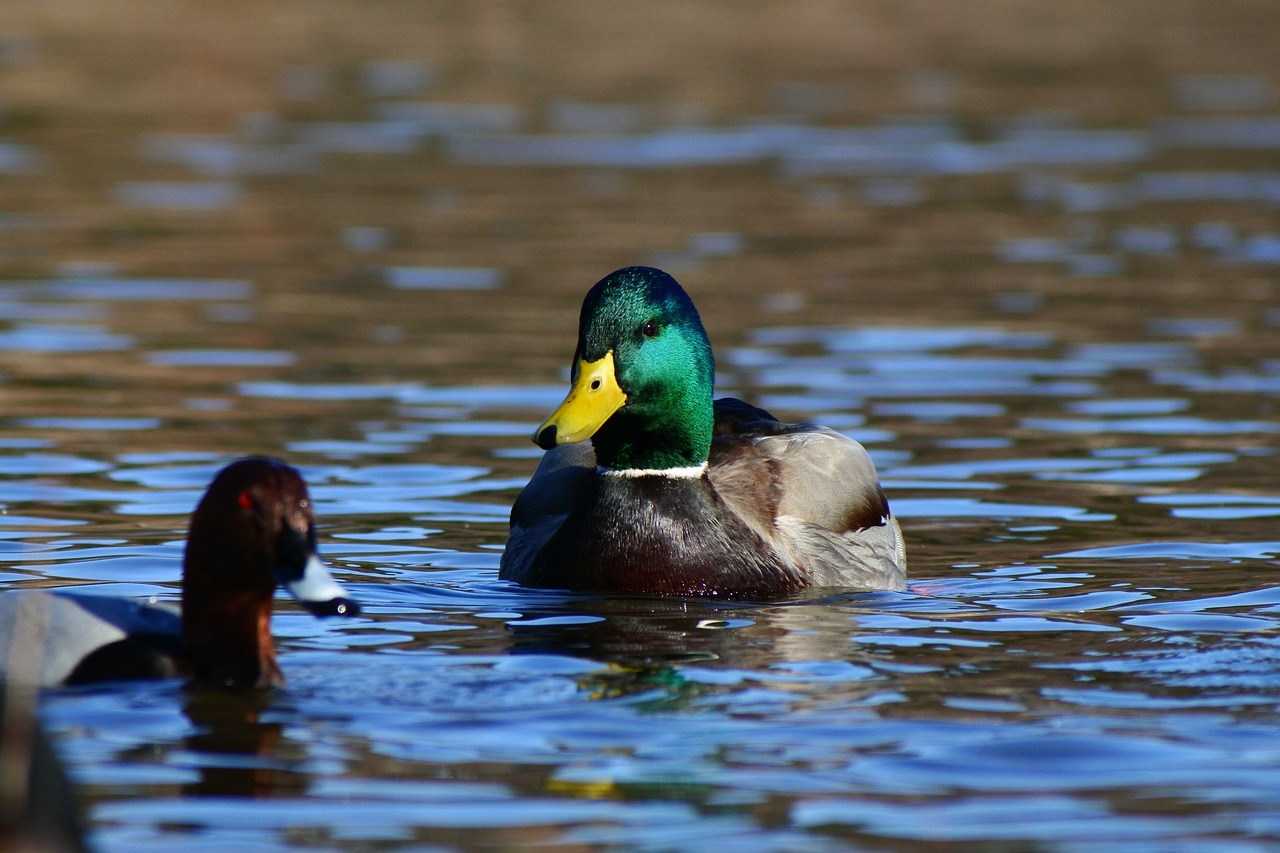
595	396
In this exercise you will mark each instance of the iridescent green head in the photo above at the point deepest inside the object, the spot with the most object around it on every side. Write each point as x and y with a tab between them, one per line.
642	376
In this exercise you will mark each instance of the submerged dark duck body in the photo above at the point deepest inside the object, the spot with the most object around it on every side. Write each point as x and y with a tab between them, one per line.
676	494
253	530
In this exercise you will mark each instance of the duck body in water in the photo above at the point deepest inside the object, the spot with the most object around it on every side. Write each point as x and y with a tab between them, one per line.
253	530
650	486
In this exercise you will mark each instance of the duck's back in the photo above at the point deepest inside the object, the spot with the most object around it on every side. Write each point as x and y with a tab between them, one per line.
51	638
812	493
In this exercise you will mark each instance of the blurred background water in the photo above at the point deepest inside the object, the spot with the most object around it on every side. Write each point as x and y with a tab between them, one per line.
1027	253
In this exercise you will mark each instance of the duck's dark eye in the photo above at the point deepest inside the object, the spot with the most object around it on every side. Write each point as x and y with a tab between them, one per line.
649	329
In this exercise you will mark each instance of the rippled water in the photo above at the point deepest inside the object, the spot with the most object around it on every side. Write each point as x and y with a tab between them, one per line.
1055	328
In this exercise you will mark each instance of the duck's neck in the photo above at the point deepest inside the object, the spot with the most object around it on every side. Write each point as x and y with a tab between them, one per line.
673	434
232	644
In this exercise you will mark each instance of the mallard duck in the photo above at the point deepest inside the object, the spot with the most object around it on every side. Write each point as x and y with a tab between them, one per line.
677	494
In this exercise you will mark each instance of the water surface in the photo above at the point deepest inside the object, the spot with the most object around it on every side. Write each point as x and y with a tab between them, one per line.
1040	287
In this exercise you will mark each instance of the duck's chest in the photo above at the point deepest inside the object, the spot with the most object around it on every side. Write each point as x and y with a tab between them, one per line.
657	535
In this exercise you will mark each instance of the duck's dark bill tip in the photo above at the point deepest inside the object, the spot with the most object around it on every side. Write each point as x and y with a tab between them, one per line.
547	438
332	607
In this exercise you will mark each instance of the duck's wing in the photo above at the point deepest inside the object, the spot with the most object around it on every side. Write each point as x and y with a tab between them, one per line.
812	493
50	639
562	480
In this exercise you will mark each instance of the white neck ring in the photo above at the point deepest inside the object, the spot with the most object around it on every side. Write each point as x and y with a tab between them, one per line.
691	472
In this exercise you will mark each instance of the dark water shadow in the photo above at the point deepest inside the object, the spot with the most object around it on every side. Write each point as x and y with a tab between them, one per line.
238	745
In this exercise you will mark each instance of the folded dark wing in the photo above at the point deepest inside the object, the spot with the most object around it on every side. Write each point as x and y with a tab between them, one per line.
563	476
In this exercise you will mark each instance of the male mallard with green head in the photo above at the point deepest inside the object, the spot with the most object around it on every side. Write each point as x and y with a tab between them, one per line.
675	494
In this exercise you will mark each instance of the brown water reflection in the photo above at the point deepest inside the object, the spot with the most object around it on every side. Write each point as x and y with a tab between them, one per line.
1027	253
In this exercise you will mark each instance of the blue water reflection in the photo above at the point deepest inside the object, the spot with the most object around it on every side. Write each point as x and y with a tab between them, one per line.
49	338
1053	328
450	669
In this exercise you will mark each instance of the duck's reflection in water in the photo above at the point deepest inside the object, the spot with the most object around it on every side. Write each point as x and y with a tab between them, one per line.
239	747
654	644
